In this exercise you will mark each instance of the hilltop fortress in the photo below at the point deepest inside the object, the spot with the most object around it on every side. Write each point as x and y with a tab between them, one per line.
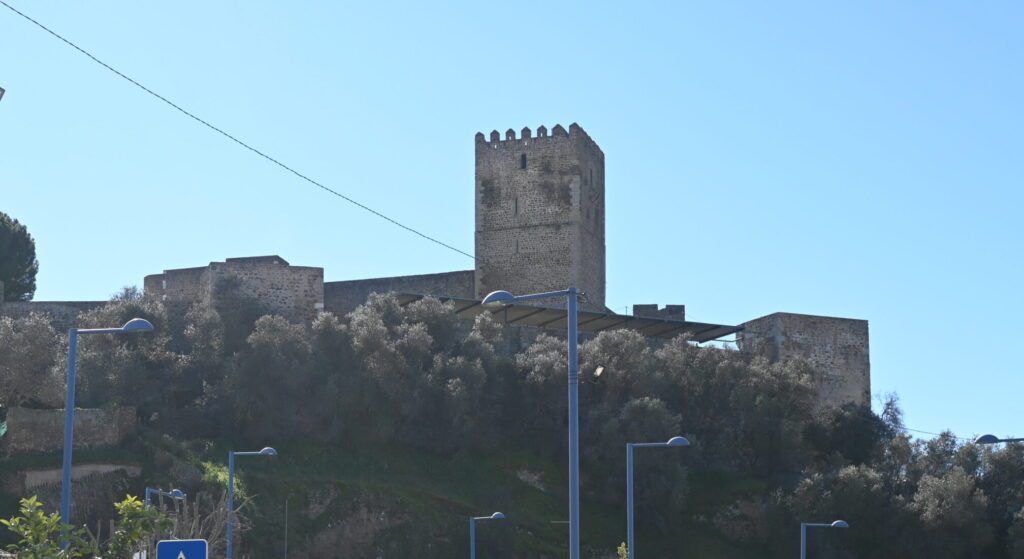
540	210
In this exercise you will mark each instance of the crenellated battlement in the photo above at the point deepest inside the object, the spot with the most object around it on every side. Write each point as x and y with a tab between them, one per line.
575	131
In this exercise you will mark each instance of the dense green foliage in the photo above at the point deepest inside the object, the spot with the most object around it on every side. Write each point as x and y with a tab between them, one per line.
30	353
39	535
454	397
18	264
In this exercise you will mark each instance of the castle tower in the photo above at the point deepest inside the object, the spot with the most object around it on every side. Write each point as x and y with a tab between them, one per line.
837	347
540	213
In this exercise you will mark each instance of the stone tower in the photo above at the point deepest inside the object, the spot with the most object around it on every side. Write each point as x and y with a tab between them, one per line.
837	347
540	213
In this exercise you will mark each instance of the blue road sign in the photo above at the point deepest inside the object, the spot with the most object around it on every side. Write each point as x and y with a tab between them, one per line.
181	549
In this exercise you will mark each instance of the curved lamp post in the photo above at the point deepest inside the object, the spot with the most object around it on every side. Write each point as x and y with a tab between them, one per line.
674	441
992	439
472	530
498	298
133	325
173	493
266	451
803	533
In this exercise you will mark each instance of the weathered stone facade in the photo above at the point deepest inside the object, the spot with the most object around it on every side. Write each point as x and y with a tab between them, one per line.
31	430
540	213
342	297
294	292
838	347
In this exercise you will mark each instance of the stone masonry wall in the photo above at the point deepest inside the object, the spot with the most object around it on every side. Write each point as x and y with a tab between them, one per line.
30	430
540	213
63	314
342	297
94	488
295	292
837	346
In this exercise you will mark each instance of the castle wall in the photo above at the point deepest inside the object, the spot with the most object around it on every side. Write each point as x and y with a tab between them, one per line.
63	314
342	297
294	292
540	214
184	284
32	431
838	347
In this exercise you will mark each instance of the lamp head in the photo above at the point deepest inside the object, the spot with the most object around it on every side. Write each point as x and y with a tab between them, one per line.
498	516
598	372
267	451
678	441
986	439
497	298
137	325
177	494
840	524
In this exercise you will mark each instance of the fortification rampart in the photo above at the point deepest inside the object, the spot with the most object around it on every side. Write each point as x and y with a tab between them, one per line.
32	431
63	314
342	297
294	292
838	347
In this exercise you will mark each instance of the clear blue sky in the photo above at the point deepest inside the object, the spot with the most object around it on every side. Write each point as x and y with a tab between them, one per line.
859	160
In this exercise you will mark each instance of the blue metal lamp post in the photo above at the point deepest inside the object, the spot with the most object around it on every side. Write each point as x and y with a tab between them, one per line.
803	533
133	325
472	530
572	300
674	441
173	493
266	451
992	439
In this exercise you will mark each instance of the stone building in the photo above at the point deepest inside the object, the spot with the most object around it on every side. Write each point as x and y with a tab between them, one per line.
540	216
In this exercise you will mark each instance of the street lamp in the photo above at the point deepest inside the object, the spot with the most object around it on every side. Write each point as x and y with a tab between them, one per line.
992	439
674	441
173	493
497	298
133	325
803	533
472	530
266	451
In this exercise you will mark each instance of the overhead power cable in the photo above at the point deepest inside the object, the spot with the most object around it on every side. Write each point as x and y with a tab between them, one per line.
937	434
238	141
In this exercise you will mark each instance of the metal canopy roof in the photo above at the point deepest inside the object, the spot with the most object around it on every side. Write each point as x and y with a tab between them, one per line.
589	321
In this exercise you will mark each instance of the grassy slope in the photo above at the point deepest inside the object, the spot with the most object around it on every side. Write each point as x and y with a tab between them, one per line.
437	493
417	503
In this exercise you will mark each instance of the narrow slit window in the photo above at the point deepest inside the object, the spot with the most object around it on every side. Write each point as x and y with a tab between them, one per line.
522	161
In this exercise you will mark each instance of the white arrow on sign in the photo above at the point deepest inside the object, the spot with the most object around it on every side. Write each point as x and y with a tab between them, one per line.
181	555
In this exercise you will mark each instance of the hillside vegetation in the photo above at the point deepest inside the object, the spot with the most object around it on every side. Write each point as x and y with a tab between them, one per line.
394	424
